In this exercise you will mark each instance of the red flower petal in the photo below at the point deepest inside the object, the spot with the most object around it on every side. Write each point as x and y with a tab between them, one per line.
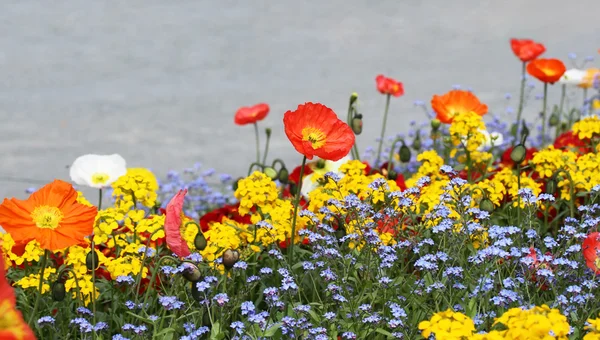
173	223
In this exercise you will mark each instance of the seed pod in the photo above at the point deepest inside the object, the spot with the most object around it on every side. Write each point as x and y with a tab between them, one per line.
268	132
230	257
191	272
91	260
200	241
435	124
518	153
59	292
554	119
486	205
357	124
270	172
551	186
283	175
404	153
392	175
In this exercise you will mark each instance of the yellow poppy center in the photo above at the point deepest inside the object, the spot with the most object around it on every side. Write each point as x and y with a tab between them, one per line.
9	320
315	136
100	178
46	217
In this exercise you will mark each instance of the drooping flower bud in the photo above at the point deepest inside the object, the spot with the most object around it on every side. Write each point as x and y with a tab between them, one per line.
416	144
486	205
518	153
435	124
283	175
357	124
392	175
58	291
554	119
91	260
404	153
353	98
191	272
200	241
230	257
270	172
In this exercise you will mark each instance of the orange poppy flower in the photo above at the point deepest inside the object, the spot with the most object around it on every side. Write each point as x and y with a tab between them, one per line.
12	325
390	86
526	49
591	251
52	216
454	103
547	70
315	130
251	114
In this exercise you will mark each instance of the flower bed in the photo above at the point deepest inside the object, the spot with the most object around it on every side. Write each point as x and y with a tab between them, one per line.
461	230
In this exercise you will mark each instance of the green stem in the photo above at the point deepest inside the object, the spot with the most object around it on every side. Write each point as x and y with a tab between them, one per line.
40	287
252	165
521	98
544	114
563	94
296	204
154	273
264	160
257	143
518	196
390	162
385	114
99	199
585	95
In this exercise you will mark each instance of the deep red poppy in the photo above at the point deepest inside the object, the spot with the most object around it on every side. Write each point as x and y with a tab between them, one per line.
251	114
526	49
546	70
315	130
591	251
389	86
294	176
229	211
570	141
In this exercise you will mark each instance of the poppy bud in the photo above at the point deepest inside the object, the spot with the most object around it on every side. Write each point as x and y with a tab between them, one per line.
551	186
518	153
486	205
357	124
320	164
270	172
234	186
353	97
416	144
268	132
283	175
200	241
513	129
404	154
91	260
230	257
191	272
58	291
554	119
196	294
435	124
392	175
293	188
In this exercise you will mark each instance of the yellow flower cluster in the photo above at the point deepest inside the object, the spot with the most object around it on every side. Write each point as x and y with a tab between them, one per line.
511	182
431	163
593	329
466	130
255	190
32	253
128	263
75	257
587	127
137	185
33	280
539	322
222	236
106	223
547	161
447	325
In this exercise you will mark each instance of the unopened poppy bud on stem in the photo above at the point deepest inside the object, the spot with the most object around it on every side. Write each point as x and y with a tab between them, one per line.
404	153
551	186
486	205
91	260
353	97
435	124
191	272
230	258
268	132
554	119
270	172
283	175
200	241
357	124
59	292
392	175
518	154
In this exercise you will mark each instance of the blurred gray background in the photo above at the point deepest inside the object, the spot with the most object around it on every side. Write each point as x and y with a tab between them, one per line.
160	81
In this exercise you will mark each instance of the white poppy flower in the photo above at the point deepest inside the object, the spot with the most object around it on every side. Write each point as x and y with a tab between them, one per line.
97	171
491	139
573	77
309	184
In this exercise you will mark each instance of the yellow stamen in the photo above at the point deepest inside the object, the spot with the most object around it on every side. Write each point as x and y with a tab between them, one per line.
315	136
100	178
46	217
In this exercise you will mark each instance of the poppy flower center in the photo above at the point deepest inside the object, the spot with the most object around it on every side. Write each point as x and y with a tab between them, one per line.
313	135
46	217
100	178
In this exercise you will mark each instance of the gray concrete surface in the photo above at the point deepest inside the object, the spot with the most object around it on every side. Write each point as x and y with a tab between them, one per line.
159	81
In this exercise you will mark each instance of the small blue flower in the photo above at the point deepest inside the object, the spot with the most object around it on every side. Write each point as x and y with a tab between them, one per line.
221	299
45	320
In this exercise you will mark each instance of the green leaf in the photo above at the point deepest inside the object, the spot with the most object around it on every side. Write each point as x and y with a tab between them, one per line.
384	332
215	332
272	330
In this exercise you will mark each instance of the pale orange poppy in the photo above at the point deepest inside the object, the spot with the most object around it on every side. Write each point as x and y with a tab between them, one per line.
456	102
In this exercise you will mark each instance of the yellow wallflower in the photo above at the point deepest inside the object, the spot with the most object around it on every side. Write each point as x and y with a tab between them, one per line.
84	283
431	163
255	190
549	160
33	280
222	236
535	323
587	127
139	185
32	253
447	325
593	329
466	130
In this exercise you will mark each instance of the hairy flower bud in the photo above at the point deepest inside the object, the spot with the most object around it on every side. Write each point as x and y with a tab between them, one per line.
353	98
58	291
554	119
435	124
283	175
230	257
392	175
404	153
518	153
200	241
91	260
191	272
357	124
270	172
486	205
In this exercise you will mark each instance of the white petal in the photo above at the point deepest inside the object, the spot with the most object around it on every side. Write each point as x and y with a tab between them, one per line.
572	77
85	167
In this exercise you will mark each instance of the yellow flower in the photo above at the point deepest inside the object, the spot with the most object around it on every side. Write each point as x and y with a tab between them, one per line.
33	280
466	130
539	322
547	161
593	329
587	127
431	163
447	325
255	190
81	199
32	253
137	185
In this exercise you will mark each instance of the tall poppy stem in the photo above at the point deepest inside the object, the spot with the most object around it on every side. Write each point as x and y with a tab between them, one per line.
521	99
257	143
296	204
563	94
585	95
268	133
40	287
385	114
544	114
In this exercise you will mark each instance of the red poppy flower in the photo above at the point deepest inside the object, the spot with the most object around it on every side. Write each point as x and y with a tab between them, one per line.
52	216
570	141
251	114
546	70
315	130
12	325
389	86
591	251
216	216
526	49
173	221
456	102
294	176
